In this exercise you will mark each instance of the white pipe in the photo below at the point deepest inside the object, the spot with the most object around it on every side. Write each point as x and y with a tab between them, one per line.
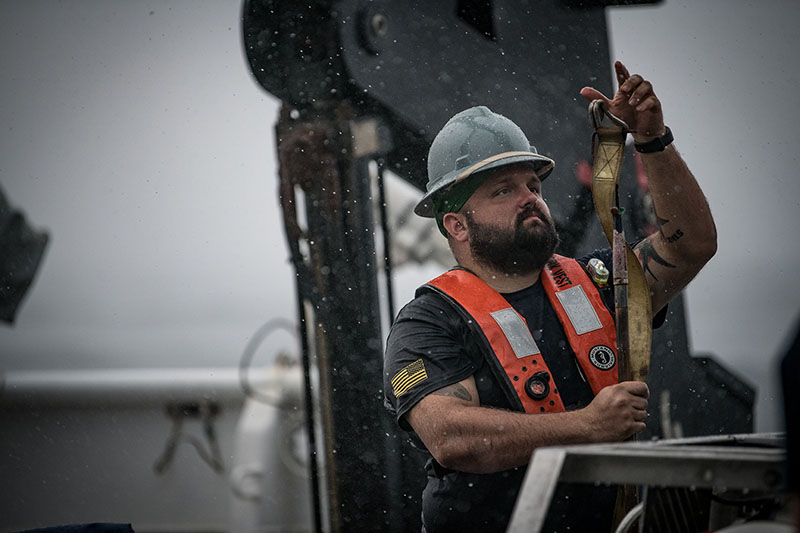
133	387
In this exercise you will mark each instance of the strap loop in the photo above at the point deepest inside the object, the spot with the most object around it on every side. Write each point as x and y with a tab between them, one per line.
598	109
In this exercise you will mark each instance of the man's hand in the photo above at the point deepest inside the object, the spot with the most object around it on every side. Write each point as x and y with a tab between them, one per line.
686	238
618	411
635	103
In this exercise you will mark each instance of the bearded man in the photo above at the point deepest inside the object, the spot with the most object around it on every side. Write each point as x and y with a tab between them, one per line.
516	347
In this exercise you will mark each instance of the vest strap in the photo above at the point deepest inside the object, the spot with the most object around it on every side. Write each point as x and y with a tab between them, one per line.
511	364
588	325
511	351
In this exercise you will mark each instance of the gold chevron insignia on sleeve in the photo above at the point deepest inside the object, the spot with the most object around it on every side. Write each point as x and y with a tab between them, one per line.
408	377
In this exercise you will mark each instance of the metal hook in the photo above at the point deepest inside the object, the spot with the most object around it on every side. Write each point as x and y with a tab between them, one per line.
598	110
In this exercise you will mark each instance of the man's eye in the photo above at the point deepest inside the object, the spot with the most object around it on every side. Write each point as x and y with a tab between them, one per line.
501	192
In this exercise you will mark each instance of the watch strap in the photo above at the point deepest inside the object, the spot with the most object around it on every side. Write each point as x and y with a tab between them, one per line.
656	145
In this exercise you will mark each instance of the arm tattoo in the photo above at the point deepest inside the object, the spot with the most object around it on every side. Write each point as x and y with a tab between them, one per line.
458	391
660	223
675	236
648	253
669	238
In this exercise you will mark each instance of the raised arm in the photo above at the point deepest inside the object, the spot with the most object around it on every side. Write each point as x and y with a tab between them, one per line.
687	237
462	435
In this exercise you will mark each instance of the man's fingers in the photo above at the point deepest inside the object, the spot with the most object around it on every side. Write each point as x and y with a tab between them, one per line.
590	93
631	84
639	403
649	104
637	388
622	72
643	91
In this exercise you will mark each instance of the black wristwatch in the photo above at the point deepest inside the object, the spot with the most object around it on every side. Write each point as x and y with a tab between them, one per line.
656	145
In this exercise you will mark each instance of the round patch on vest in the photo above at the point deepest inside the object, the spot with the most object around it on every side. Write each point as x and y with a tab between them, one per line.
602	357
538	386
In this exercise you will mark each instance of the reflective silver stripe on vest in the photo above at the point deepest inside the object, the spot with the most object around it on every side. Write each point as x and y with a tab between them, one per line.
516	332
579	310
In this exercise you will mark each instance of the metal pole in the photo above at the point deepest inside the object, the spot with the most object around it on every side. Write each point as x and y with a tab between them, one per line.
387	241
293	236
337	280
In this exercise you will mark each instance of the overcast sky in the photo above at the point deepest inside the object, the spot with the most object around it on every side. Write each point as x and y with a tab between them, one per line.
133	132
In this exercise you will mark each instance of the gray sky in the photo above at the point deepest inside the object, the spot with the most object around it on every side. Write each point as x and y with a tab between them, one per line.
135	134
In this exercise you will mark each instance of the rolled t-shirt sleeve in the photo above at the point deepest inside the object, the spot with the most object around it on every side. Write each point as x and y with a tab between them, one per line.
425	351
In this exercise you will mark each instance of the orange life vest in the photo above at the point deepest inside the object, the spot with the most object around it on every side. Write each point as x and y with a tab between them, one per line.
522	371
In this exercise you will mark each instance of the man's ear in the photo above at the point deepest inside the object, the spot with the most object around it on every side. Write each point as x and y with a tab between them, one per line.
456	226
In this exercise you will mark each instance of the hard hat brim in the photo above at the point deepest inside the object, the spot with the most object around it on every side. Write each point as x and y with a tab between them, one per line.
542	165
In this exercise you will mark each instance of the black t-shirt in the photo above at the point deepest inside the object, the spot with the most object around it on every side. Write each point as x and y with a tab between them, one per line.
431	329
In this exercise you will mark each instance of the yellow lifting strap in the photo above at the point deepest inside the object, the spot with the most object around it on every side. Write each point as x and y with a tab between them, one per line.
632	294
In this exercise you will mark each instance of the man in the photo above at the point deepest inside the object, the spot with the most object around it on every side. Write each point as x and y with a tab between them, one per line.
481	388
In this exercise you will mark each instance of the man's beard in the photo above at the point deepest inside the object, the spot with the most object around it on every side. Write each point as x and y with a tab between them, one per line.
520	251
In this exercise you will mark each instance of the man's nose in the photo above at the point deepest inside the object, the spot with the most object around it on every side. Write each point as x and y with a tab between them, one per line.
528	197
